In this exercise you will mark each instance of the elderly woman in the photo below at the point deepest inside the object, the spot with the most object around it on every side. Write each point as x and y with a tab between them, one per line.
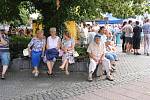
4	52
96	52
68	48
36	48
53	46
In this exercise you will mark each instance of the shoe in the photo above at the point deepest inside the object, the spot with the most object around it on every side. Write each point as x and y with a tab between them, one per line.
102	78
3	77
138	54
147	54
135	53
113	68
36	74
67	73
61	68
113	65
109	78
90	77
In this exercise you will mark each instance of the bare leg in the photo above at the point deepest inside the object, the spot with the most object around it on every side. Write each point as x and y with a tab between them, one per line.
64	63
5	67
50	67
66	68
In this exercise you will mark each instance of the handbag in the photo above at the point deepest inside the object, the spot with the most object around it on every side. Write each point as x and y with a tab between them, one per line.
75	54
25	52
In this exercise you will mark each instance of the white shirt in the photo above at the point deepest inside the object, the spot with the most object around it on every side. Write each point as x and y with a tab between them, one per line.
52	42
91	37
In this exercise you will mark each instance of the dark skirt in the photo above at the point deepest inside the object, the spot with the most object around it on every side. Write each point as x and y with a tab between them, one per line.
136	42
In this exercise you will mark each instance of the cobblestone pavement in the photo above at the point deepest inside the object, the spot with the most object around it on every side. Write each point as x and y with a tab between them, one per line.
21	85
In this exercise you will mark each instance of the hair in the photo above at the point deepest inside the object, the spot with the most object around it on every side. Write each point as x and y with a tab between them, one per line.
67	34
124	23
101	28
130	21
137	22
39	31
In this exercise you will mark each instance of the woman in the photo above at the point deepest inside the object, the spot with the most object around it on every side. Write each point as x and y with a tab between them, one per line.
53	45
110	53
68	48
4	52
123	37
136	38
36	48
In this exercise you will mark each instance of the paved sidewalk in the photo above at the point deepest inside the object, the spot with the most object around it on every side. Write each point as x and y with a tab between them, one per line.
131	71
139	90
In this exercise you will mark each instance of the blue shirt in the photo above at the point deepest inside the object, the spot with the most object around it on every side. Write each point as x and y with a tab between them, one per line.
146	28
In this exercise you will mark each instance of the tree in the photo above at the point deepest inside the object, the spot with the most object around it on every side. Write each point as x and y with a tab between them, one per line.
71	9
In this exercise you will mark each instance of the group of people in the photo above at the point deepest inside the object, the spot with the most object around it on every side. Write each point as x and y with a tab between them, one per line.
132	35
101	52
49	49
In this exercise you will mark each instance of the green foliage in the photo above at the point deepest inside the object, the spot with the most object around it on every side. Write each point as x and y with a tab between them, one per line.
17	44
69	10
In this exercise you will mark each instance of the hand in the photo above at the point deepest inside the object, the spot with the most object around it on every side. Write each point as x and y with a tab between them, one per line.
101	60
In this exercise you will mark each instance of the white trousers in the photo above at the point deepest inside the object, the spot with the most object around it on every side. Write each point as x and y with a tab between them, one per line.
146	43
105	65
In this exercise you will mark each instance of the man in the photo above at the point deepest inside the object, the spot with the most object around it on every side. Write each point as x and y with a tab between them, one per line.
102	32
146	31
128	29
91	35
4	52
96	52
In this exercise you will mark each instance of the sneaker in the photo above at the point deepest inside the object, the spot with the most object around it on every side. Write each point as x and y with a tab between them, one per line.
36	74
147	54
3	77
109	78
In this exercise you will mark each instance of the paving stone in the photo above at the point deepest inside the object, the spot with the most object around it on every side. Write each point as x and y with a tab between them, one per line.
22	83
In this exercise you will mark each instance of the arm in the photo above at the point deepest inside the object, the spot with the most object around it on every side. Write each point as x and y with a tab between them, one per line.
89	50
59	44
72	46
4	41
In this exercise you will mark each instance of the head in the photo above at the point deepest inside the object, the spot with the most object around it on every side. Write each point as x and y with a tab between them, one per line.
102	30
147	20
40	34
2	31
124	23
97	39
137	23
66	35
52	31
130	22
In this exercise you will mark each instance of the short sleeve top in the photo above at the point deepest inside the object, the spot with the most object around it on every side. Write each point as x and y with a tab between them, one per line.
36	44
68	43
53	42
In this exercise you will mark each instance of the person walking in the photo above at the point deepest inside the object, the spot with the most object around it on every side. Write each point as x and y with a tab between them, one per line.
123	37
146	31
53	46
68	45
136	38
36	48
4	52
